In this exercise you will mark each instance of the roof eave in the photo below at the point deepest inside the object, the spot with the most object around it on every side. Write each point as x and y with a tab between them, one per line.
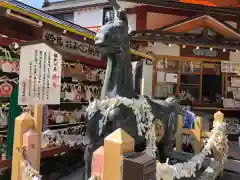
188	7
205	18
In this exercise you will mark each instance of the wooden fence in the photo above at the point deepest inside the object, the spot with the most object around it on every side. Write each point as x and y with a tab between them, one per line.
108	160
117	160
197	132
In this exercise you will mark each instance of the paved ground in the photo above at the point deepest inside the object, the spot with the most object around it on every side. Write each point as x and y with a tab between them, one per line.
226	176
234	152
77	175
229	176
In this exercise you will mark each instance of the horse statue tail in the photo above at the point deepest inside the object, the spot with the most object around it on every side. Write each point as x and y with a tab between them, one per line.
174	102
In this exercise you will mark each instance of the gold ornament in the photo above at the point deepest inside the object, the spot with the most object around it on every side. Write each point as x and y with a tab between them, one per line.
159	129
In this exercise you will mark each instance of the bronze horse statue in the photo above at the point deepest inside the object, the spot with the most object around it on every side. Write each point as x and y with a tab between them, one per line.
114	42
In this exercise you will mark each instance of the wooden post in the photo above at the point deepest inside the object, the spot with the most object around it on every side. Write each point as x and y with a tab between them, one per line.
115	145
197	135
38	110
22	123
30	142
179	138
98	163
218	117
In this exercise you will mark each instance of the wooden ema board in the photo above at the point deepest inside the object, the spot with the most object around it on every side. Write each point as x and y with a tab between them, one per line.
115	145
98	162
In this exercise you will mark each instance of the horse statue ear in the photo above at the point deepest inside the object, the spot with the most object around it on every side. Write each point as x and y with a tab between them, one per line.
122	15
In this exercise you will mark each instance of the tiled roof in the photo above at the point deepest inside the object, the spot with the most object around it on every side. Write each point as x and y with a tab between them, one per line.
41	15
47	18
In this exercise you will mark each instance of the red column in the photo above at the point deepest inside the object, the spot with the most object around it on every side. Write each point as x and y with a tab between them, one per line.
141	19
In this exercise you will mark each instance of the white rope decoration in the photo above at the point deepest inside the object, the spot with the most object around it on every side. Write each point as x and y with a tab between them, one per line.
69	140
218	140
29	172
144	118
141	109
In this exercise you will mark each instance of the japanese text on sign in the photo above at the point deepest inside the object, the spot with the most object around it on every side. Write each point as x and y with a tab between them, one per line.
73	46
40	75
230	67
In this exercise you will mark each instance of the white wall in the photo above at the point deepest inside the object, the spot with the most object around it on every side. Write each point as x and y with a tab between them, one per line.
88	17
161	49
158	49
234	56
146	84
132	19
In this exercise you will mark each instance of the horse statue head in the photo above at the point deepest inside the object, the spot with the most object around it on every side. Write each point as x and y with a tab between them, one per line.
113	41
113	36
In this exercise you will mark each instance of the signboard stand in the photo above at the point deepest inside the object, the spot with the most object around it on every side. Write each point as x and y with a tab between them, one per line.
39	84
38	110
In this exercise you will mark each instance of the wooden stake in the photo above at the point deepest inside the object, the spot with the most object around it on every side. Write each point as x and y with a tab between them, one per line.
197	134
38	114
179	138
115	145
22	123
30	142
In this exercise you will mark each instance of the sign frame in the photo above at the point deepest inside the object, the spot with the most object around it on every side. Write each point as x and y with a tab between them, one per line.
39	75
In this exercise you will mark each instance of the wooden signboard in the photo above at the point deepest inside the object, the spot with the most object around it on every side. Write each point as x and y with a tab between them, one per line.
40	75
72	46
191	51
230	67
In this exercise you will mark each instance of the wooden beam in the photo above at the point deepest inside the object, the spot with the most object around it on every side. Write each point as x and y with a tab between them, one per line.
168	10
15	29
7	41
179	8
184	58
179	41
15	34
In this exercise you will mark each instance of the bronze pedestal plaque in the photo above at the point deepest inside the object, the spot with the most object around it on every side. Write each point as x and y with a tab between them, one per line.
138	166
